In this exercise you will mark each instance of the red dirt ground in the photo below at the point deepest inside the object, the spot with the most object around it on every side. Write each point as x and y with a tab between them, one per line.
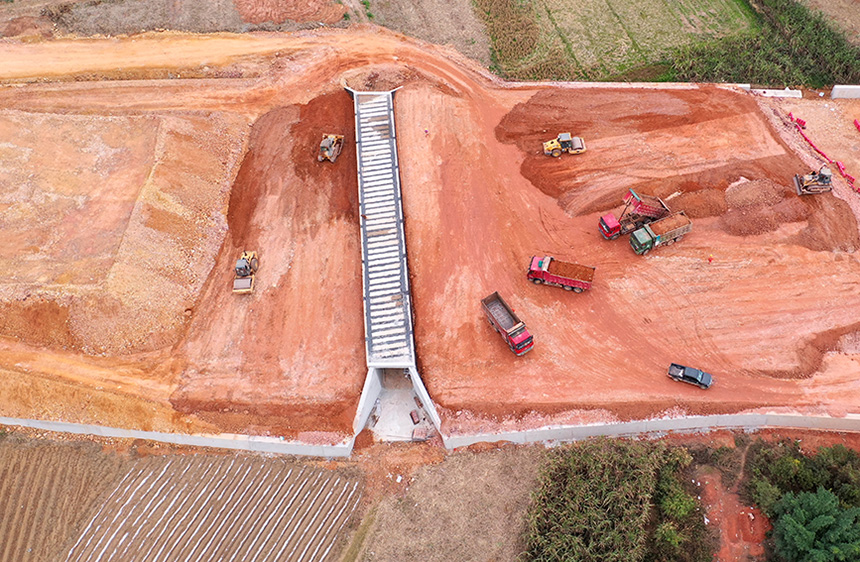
772	317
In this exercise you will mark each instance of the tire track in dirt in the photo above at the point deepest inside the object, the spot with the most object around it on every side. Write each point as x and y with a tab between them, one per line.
206	508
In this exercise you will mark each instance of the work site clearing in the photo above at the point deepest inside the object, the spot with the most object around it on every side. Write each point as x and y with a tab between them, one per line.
126	200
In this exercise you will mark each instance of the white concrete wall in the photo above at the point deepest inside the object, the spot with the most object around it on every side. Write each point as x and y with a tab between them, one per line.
843	92
248	443
688	424
371	391
424	396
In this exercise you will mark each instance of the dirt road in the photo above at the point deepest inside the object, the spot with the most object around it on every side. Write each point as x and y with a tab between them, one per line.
218	165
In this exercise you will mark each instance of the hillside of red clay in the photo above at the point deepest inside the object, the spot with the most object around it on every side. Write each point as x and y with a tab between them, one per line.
130	200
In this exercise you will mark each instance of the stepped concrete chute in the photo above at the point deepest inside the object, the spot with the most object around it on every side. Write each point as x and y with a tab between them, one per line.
387	301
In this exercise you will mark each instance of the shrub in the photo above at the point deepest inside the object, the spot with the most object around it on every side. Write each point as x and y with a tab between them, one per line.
813	527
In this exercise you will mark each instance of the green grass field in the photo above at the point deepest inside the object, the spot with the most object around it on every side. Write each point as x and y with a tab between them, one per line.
602	39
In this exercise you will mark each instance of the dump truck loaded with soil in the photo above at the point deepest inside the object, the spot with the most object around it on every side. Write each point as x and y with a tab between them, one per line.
663	232
638	211
569	276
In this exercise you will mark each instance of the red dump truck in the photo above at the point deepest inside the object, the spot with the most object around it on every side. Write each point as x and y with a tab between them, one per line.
663	232
638	211
503	320
568	276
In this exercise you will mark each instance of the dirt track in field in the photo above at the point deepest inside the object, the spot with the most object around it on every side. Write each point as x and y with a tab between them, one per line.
46	491
218	508
220	165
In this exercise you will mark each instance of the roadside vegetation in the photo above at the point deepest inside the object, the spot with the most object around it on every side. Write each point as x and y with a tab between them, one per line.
795	46
766	42
618	501
813	501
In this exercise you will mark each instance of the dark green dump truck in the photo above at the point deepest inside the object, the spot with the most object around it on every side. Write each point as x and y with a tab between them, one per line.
663	232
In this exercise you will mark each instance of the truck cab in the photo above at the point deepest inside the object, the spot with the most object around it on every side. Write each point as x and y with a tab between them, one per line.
609	226
520	340
641	241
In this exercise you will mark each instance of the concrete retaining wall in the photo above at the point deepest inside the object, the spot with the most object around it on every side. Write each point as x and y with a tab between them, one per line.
689	424
845	92
786	93
369	394
248	443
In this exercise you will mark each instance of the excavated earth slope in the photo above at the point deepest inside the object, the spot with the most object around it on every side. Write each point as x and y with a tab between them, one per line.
127	202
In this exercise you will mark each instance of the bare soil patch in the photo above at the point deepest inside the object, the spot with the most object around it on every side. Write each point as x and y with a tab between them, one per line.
288	361
469	507
437	21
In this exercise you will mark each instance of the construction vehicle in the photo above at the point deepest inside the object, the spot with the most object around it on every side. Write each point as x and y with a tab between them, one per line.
568	276
504	321
564	142
638	211
246	270
330	147
690	375
663	232
814	182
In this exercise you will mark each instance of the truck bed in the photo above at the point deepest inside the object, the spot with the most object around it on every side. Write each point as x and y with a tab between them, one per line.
672	222
571	270
503	315
649	206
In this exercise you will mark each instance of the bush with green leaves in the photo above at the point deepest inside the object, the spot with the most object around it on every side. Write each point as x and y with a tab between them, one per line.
814	527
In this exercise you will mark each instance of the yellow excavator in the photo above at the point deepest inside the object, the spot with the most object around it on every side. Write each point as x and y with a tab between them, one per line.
330	147
814	182
246	270
564	142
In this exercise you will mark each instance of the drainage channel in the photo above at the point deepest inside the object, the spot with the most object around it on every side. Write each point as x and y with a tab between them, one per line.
394	399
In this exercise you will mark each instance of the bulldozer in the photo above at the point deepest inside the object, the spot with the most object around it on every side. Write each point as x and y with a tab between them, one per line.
330	147
564	142
814	182
246	269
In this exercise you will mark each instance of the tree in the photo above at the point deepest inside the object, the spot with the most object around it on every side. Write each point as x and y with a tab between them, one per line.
816	528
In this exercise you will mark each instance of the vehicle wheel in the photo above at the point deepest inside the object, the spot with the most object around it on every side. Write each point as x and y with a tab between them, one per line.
678	239
536	281
670	242
255	263
645	253
567	288
577	289
556	153
614	236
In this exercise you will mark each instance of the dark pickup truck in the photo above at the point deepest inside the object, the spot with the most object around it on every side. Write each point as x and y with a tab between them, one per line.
688	374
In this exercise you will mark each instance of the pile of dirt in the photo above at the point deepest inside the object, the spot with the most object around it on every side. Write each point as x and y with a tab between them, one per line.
759	219
832	226
757	192
647	145
253	361
700	204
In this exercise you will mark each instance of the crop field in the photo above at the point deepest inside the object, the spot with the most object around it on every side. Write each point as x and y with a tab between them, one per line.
219	508
44	491
599	39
